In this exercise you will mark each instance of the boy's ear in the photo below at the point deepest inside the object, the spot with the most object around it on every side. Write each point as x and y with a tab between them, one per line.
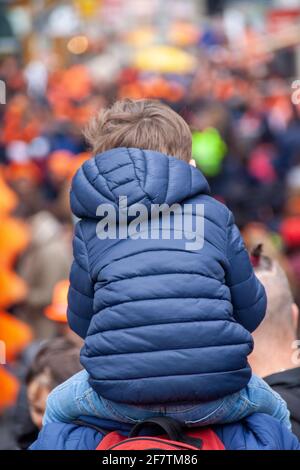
192	162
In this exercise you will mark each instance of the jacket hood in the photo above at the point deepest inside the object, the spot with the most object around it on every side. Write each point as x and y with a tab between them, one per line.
143	176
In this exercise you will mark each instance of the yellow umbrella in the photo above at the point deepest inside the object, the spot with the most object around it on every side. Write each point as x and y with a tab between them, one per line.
164	59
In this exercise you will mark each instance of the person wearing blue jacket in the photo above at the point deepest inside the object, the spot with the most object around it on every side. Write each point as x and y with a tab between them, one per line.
166	321
256	432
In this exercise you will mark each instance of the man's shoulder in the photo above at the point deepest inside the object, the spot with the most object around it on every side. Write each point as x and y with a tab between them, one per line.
63	436
257	432
286	379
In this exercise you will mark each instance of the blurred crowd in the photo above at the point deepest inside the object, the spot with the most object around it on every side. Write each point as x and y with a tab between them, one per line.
246	140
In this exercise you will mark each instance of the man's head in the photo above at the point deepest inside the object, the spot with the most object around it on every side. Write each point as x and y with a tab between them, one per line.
144	124
274	338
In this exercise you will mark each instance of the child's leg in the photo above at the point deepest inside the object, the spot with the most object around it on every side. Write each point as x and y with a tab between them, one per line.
257	397
265	400
188	414
76	398
72	399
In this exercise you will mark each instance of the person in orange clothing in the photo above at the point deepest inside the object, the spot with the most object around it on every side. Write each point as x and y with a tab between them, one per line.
57	312
58	164
13	289
8	198
9	385
25	179
15	334
14	239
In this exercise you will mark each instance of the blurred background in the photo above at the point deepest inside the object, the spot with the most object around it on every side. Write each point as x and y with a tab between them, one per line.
230	68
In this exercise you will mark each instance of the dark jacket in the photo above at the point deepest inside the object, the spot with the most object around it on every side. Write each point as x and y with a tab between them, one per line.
256	432
287	384
161	322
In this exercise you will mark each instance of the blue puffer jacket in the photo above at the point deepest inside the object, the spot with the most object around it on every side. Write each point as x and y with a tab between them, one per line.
256	432
161	323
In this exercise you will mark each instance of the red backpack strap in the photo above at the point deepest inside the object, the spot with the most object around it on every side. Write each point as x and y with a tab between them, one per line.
172	428
110	440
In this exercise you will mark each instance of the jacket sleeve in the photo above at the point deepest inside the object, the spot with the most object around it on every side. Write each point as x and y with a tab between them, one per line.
62	436
81	291
248	295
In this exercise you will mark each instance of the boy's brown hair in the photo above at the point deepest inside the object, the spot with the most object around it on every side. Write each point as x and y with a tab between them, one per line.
58	359
145	124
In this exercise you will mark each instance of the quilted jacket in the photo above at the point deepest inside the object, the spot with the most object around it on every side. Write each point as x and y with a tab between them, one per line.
161	322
